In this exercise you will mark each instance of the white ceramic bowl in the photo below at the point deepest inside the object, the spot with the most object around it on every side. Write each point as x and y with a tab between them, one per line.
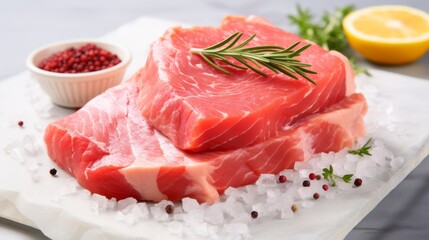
74	90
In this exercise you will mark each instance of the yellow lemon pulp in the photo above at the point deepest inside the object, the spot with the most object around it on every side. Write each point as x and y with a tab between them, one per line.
388	34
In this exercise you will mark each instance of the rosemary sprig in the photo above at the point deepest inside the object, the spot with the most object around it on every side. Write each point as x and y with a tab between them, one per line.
327	32
330	176
277	59
364	150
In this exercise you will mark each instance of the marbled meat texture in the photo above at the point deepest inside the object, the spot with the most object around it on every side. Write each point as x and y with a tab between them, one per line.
200	108
113	151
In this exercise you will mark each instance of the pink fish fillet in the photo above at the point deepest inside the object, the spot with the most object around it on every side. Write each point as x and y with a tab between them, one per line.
200	108
112	150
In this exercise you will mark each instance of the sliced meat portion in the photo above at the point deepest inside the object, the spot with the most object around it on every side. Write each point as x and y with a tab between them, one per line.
200	108
111	150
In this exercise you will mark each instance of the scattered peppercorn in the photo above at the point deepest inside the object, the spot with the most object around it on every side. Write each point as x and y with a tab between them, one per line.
316	196
53	172
294	207
358	182
254	214
87	58
169	209
318	177
282	178
325	187
21	123
306	183
312	176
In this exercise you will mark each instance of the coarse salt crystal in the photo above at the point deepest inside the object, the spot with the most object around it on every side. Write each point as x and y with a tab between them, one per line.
111	204
214	214
98	203
302	166
141	210
232	207
214	231
305	192
158	210
201	229
263	210
303	173
274	195
266	180
193	217
242	217
190	204
250	194
13	150
29	145
124	203
235	193
159	214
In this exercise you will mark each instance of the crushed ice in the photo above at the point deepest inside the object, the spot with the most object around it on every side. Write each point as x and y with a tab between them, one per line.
27	151
230	218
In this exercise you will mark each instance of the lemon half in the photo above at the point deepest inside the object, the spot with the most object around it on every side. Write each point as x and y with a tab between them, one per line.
388	34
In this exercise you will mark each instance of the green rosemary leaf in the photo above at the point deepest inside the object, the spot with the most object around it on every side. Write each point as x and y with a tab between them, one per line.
254	62
347	178
276	58
233	42
328	175
211	62
245	42
325	175
285	70
256	57
298	52
220	44
259	49
270	67
225	60
250	67
364	150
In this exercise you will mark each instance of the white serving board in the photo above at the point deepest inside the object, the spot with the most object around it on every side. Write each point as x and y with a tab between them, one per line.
398	115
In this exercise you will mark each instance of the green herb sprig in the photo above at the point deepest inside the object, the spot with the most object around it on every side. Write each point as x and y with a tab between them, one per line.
277	59
330	176
364	150
328	32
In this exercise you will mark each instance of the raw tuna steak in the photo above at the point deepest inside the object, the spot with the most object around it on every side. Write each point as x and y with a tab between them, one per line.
111	149
199	108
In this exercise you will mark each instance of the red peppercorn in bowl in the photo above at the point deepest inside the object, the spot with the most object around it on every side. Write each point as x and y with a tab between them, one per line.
74	72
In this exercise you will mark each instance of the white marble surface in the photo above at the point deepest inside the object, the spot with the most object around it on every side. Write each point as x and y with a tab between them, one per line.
26	25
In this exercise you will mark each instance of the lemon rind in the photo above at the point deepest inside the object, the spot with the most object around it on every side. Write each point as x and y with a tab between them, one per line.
349	19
